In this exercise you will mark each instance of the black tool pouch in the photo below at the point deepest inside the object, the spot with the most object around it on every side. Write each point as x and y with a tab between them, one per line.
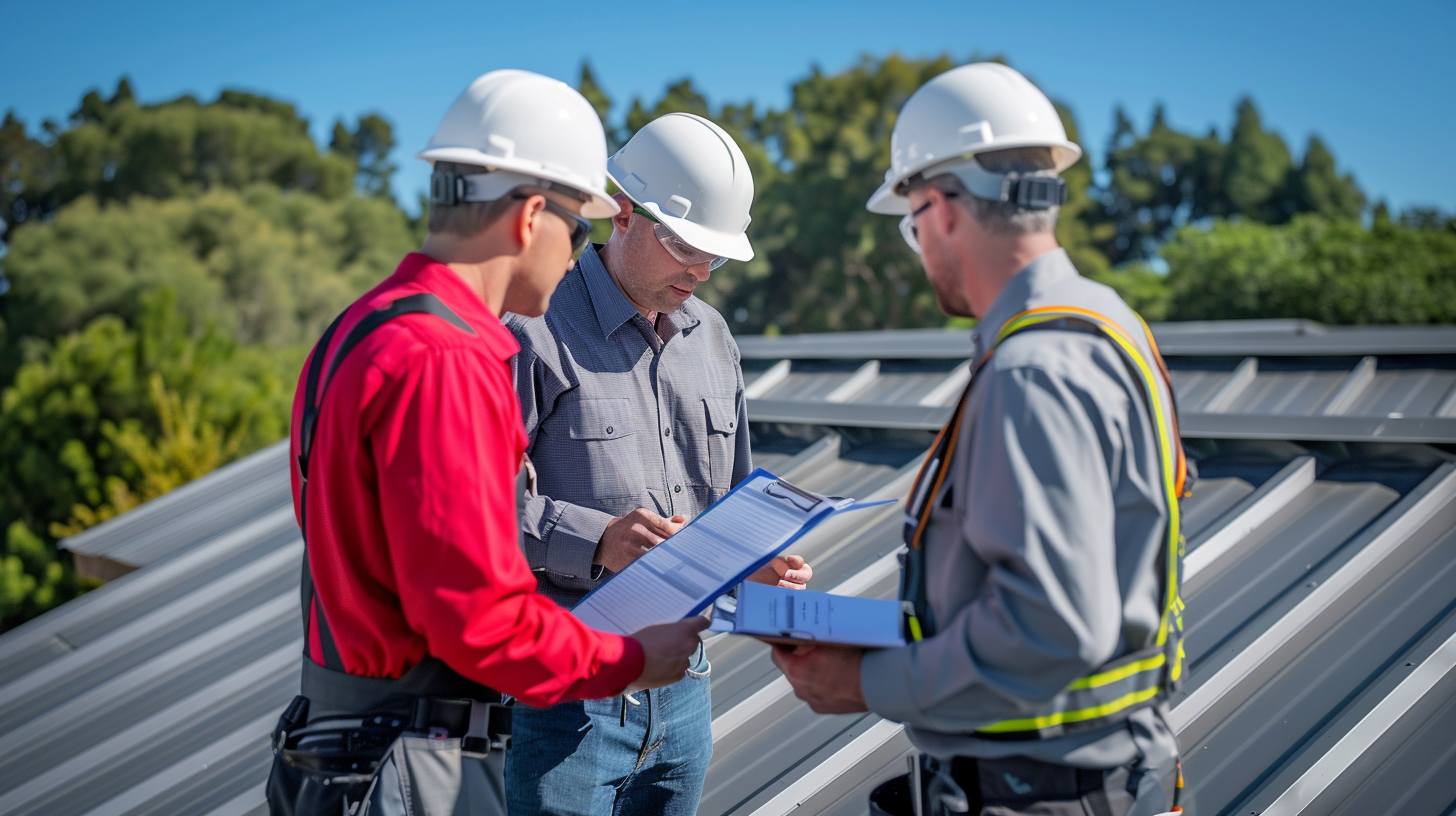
928	790
326	767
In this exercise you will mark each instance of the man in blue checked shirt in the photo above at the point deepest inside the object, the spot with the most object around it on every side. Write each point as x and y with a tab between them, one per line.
632	396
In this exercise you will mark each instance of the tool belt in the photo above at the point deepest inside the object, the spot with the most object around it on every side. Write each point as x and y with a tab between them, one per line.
965	785
351	744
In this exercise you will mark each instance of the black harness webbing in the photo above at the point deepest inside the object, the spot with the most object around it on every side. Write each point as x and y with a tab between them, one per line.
315	391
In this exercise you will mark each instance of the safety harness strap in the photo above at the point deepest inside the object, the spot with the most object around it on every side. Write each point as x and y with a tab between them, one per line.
1130	681
315	390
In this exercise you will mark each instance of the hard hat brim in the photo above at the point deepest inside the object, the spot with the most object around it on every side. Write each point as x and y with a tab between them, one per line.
885	201
734	246
597	205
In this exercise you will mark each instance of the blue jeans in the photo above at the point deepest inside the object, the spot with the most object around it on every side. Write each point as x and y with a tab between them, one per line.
579	758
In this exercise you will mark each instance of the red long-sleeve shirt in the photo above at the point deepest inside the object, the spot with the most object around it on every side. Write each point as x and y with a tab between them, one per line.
413	538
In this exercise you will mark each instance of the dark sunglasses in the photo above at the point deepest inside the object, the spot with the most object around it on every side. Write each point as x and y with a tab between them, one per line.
580	227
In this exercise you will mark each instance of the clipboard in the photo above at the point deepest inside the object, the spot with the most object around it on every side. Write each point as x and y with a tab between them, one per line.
791	617
717	550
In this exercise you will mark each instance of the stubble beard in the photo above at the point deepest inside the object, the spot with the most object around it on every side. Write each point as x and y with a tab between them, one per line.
947	289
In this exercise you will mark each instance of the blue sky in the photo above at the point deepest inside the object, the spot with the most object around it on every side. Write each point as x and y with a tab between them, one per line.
1373	79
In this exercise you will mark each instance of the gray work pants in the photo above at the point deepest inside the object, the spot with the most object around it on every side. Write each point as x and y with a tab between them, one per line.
432	777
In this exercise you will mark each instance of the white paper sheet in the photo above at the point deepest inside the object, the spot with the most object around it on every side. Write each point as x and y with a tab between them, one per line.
717	550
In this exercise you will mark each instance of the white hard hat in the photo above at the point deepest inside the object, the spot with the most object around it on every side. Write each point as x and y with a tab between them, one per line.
528	129
690	174
964	111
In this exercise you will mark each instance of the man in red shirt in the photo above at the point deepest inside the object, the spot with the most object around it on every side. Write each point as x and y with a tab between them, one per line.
419	607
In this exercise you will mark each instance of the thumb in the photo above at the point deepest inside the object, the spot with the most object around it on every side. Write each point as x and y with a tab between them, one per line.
695	624
794	561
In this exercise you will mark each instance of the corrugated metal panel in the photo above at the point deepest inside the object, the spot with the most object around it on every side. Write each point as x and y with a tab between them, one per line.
217	502
1231	338
1317	572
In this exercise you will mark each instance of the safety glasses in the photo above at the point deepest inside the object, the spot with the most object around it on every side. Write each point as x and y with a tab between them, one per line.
580	227
909	231
679	249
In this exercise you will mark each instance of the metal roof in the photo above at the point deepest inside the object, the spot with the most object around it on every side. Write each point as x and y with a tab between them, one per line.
1321	593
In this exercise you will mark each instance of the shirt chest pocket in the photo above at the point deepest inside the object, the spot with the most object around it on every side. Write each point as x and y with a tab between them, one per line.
596	419
597	459
722	421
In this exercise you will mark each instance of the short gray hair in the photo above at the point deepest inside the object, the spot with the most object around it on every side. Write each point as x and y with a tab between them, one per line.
1001	217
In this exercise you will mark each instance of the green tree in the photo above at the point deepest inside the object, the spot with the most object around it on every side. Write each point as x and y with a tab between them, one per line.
1333	271
1317	186
116	148
368	146
270	268
1157	182
28	176
108	417
1255	166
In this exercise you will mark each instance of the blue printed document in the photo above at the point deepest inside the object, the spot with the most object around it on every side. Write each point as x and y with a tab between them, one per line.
782	615
726	543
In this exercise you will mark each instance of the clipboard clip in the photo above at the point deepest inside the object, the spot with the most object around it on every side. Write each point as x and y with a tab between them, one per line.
794	495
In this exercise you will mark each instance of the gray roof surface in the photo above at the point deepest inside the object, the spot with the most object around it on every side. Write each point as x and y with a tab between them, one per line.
1321	592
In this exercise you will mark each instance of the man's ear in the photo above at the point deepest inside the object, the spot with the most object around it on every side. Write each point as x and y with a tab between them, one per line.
523	222
624	213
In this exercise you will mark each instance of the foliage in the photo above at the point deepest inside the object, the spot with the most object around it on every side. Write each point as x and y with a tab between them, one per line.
269	268
1333	271
116	148
1165	179
109	417
367	146
825	264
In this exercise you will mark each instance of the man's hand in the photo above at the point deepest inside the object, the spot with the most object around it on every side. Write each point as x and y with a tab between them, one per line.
790	571
628	537
668	651
825	677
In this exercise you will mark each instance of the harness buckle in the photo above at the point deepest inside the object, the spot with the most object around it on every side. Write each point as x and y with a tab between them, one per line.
490	728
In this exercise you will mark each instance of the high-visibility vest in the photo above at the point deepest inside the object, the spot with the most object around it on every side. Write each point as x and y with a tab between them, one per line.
1129	681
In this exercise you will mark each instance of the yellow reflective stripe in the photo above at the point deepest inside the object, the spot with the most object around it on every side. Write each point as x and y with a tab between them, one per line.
915	633
1120	673
1169	461
1064	717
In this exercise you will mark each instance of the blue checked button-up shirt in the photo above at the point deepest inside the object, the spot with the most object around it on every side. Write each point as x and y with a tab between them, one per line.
620	416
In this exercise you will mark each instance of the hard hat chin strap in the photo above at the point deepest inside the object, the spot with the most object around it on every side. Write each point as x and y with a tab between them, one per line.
448	189
1039	190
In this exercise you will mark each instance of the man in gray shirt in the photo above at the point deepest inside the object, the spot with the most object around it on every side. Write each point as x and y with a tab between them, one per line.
632	397
1042	541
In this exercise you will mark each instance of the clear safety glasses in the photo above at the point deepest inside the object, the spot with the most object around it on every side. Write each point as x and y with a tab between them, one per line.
909	231
679	249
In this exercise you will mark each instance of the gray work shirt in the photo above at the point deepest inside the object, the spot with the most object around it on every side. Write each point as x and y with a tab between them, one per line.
1049	560
619	416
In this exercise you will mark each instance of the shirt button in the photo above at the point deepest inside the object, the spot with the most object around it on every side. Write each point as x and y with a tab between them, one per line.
730	427
677	488
667	432
609	429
